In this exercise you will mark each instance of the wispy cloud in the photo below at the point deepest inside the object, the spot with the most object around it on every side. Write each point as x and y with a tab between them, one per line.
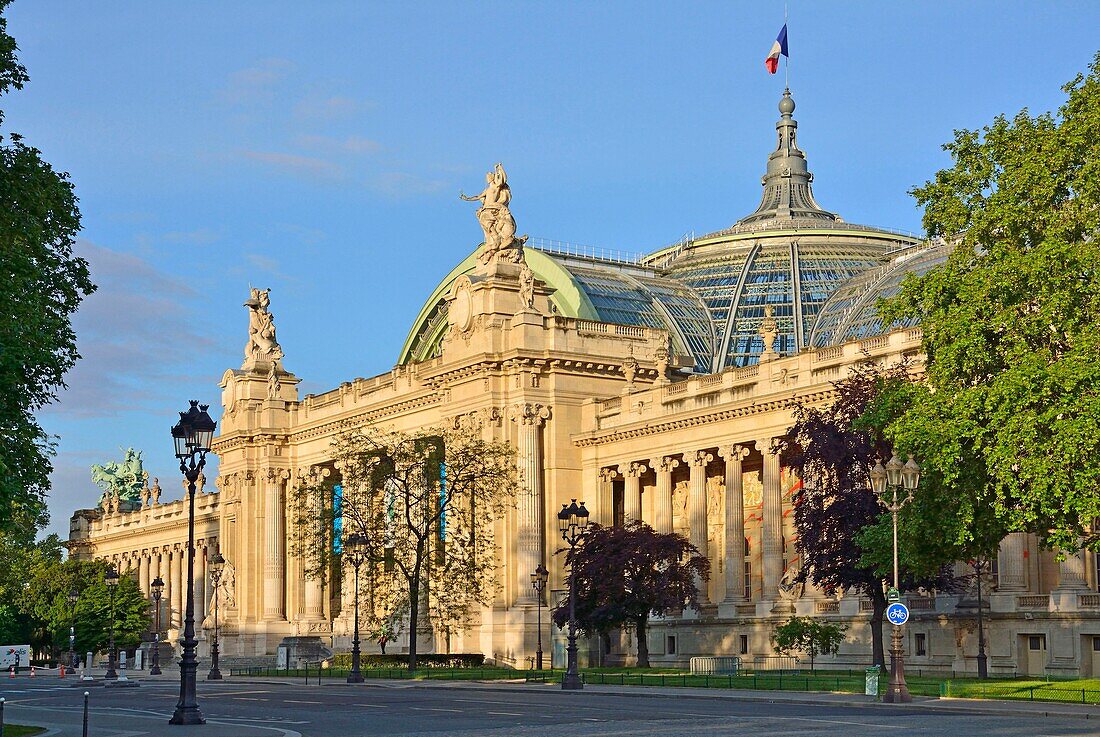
257	83
133	334
266	265
331	108
347	145
296	164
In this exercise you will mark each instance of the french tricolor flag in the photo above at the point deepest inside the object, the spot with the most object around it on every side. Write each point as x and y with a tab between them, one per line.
779	47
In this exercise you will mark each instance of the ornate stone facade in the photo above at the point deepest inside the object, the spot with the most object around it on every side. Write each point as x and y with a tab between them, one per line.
659	424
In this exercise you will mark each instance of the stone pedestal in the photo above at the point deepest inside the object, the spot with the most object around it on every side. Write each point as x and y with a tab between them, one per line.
297	651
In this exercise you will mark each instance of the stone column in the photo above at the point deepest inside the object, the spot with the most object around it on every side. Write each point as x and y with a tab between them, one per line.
772	531
735	523
607	497
143	574
274	547
632	492
314	596
1071	572
1012	573
200	585
662	503
177	587
164	570
697	461
529	418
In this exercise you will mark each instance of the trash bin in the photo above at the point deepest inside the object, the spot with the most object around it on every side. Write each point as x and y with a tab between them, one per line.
871	683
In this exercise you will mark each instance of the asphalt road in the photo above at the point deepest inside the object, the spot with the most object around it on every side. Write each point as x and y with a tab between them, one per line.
402	708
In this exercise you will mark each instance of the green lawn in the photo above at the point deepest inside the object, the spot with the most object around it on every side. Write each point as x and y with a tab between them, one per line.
1085	691
21	730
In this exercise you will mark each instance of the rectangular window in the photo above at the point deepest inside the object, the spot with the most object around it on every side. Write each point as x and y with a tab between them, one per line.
748	580
1036	642
670	644
920	643
1096	644
745	644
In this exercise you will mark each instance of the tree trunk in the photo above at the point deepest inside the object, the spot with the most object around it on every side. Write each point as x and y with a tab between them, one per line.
643	643
878	599
414	607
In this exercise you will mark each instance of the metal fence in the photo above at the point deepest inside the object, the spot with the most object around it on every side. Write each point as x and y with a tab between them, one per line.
1017	691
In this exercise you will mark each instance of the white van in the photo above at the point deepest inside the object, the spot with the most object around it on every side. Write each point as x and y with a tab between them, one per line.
17	655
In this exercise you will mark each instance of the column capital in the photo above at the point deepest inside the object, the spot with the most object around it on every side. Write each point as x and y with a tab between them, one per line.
666	464
769	445
735	452
632	470
609	474
525	413
696	458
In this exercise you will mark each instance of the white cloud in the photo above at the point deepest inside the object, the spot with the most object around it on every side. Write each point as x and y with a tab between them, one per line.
256	84
347	145
296	164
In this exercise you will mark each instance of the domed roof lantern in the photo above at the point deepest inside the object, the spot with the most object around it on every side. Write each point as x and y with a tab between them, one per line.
787	190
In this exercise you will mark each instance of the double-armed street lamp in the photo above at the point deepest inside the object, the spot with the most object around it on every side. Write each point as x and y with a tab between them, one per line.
193	435
538	583
217	565
74	597
886	482
355	548
111	579
572	521
157	588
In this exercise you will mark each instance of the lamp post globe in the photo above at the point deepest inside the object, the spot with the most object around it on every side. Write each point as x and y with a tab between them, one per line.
192	435
217	565
538	582
157	589
355	548
111	579
572	523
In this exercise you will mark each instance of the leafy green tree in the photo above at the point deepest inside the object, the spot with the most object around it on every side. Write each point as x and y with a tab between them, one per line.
42	285
811	636
844	534
1005	425
625	575
427	503
45	600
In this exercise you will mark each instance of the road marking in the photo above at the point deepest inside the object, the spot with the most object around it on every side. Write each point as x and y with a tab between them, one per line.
248	698
292	701
372	706
431	708
505	713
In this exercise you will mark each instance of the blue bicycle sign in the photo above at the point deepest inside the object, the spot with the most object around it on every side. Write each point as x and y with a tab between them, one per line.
897	613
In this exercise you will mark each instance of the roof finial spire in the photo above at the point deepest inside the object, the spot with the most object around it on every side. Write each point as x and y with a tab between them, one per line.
787	191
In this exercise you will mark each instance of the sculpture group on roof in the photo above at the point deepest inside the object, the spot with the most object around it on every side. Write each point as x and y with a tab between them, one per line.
123	481
496	220
262	345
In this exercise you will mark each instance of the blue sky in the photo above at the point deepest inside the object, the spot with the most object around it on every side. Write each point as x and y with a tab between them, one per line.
319	148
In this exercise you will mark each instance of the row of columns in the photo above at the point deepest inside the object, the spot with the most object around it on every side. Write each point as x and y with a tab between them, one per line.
170	564
696	462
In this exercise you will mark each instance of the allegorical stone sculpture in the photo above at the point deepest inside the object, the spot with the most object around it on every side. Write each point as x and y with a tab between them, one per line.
768	332
123	480
496	220
262	345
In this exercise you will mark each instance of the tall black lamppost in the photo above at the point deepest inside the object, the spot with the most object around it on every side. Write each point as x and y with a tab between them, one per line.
74	597
355	548
538	583
572	521
157	587
983	663
217	565
111	579
895	477
193	435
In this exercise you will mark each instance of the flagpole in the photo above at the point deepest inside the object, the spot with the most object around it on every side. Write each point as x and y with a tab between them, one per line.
787	58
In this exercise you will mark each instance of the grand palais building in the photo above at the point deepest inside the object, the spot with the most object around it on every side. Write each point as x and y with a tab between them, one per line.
654	388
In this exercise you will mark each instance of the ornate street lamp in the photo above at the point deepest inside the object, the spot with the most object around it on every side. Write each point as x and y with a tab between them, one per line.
538	583
217	565
111	579
193	436
74	597
983	662
886	482
572	522
157	587
355	549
